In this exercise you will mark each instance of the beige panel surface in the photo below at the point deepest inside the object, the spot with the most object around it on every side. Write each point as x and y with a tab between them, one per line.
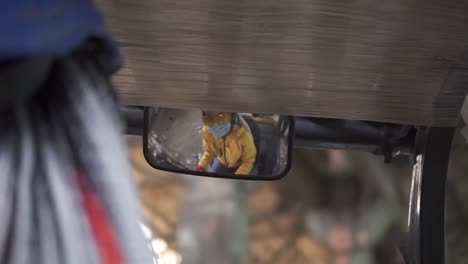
397	61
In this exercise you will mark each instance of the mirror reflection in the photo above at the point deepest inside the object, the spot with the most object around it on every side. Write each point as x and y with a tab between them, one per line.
226	144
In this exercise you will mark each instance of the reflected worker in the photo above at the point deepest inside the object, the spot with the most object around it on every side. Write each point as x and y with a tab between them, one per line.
228	144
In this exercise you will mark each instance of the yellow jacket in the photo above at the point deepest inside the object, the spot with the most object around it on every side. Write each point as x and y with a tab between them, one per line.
235	150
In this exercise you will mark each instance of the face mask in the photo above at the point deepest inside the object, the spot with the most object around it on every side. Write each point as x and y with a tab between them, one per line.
219	130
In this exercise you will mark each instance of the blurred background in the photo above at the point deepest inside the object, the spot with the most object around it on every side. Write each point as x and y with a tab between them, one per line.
334	207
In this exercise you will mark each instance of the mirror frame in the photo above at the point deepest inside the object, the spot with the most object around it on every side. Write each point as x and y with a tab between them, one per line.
146	154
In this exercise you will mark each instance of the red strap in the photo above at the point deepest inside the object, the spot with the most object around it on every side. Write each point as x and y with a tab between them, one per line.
106	239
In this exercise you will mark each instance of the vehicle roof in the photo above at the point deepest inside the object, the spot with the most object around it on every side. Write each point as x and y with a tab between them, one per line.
393	61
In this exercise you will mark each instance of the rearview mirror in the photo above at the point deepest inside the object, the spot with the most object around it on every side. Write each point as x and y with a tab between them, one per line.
216	144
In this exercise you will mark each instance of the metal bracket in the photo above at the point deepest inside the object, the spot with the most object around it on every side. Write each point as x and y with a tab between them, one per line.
134	119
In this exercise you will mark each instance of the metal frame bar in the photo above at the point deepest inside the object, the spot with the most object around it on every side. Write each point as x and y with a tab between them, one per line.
426	237
322	133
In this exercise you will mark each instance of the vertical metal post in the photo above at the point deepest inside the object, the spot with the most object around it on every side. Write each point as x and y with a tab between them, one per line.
427	206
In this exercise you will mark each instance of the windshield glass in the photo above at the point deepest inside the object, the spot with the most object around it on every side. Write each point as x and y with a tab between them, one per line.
333	207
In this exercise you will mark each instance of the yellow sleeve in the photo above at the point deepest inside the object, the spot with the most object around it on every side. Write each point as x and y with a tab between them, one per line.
208	153
249	152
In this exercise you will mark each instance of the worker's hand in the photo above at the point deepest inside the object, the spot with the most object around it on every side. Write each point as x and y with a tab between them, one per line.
199	168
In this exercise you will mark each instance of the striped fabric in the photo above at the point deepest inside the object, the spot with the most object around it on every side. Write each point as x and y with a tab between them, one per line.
69	127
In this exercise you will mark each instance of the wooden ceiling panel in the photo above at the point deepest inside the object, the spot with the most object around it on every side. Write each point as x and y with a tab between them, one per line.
398	61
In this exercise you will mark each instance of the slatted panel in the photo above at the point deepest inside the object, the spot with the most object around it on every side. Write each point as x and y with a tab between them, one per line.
363	59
